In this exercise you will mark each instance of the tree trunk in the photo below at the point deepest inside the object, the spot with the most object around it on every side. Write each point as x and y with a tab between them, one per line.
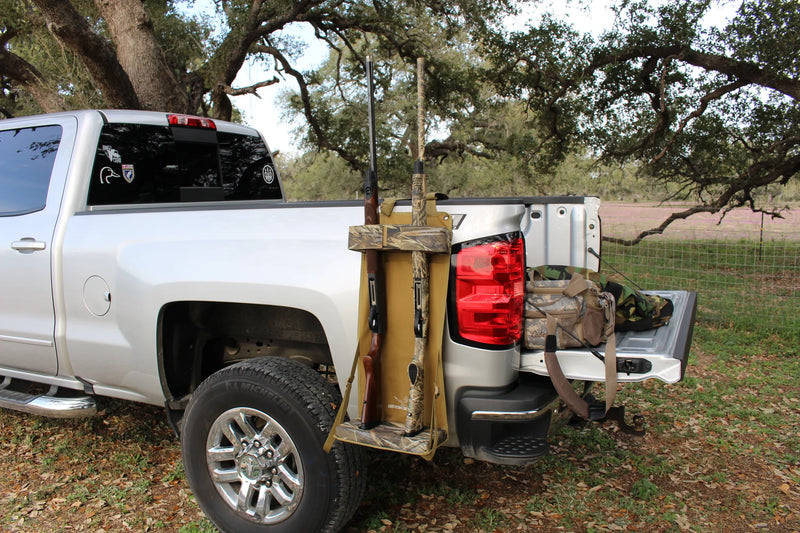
73	32
141	56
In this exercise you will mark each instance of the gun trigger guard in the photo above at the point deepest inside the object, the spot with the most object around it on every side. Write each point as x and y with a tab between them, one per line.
418	323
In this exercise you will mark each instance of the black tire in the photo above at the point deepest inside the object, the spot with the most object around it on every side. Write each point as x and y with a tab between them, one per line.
261	425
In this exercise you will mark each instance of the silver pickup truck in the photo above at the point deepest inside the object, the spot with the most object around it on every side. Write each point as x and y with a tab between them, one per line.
153	257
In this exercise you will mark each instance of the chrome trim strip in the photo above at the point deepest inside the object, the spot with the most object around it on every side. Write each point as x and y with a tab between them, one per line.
26	340
509	416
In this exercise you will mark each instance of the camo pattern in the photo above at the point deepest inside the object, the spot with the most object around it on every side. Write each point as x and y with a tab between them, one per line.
389	436
419	270
634	310
399	237
581	318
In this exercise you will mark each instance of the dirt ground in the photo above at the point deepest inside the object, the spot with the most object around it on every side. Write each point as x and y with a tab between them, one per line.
710	461
626	220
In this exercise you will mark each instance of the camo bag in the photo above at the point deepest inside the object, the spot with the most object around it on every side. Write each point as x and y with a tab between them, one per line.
635	310
583	312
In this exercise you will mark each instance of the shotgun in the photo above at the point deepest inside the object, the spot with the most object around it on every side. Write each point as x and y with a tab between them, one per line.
419	266
375	278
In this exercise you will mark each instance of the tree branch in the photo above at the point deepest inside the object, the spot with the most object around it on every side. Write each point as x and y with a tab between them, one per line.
305	97
716	94
736	194
27	76
73	31
681	215
252	89
746	71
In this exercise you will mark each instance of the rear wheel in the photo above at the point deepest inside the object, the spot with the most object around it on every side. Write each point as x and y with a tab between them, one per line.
252	450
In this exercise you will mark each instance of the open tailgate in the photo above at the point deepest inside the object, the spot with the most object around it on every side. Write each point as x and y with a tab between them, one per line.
660	353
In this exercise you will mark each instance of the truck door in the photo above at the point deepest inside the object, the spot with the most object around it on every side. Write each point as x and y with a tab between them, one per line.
32	175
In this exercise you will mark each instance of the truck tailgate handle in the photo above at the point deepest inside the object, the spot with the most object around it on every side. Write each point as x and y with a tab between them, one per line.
28	245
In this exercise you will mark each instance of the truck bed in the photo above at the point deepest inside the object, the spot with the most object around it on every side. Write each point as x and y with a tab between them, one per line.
659	353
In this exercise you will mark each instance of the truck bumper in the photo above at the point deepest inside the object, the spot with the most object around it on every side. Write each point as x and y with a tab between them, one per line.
509	426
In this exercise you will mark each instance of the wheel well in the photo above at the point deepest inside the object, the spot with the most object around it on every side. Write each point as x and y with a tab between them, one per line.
198	338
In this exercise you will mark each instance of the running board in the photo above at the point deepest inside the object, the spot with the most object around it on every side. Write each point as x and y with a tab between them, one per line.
48	404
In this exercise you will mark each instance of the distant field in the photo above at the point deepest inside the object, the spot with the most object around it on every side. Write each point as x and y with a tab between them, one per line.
626	220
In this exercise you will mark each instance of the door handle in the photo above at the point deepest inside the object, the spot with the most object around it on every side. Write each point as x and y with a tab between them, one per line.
28	245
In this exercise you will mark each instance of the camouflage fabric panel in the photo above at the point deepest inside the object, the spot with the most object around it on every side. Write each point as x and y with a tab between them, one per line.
581	319
546	286
389	436
548	300
539	305
563	272
536	331
429	239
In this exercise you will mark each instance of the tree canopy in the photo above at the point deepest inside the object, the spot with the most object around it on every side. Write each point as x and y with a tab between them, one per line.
706	107
709	106
149	54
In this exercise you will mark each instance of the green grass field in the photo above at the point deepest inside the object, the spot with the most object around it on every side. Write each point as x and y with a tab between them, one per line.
741	284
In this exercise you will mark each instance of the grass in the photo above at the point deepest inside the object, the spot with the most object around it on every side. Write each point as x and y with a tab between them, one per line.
742	284
721	453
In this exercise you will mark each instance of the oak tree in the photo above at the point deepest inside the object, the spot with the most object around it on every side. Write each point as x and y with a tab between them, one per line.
706	105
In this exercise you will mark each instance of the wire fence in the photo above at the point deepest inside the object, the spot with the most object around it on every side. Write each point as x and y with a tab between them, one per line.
745	266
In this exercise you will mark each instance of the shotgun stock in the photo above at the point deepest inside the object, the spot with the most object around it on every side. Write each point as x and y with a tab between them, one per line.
375	277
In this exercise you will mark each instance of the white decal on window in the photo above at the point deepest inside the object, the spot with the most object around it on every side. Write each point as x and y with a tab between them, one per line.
106	173
112	154
127	173
269	174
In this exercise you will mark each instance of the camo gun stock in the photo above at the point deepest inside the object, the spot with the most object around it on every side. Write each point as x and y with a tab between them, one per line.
419	266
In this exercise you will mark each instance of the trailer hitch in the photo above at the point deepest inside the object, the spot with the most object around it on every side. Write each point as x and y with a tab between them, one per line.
617	414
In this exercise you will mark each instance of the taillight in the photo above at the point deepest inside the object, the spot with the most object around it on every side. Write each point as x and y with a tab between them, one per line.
191	121
490	292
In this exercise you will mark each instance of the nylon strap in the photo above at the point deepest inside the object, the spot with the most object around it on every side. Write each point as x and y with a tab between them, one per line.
560	382
342	408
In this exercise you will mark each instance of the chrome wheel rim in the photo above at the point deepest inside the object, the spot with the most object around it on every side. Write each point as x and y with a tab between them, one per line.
254	465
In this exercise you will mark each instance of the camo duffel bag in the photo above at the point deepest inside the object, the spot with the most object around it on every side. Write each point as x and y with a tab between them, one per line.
635	310
584	314
572	314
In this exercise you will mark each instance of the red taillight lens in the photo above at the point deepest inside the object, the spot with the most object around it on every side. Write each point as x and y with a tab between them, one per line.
490	292
191	121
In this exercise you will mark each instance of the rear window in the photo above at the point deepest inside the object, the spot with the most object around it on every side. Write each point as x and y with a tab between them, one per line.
26	162
145	164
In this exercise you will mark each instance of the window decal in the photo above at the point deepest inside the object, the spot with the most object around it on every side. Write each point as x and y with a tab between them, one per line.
112	154
269	174
127	173
106	173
